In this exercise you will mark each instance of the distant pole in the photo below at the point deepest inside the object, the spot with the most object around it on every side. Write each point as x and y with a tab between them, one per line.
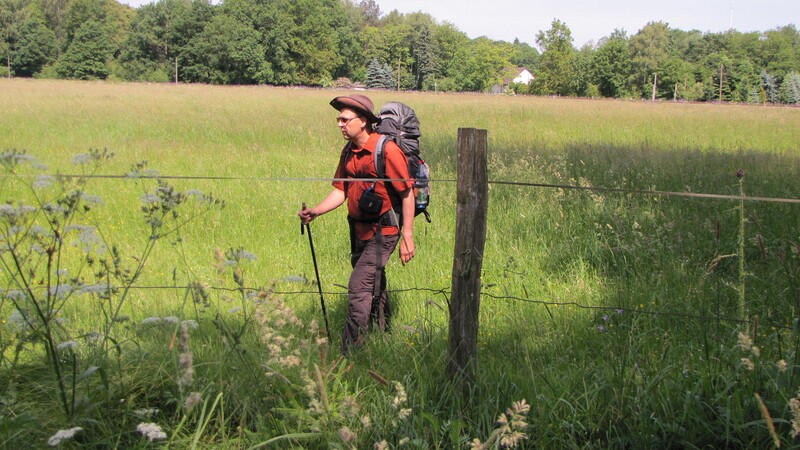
730	23
176	70
472	200
655	84
721	79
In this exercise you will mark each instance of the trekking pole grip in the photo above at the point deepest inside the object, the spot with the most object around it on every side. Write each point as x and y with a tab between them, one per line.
302	227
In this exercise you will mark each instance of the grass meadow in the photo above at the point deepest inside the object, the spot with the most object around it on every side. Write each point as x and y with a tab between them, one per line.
145	313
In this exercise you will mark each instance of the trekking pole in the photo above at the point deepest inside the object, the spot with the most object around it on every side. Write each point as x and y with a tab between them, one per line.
316	271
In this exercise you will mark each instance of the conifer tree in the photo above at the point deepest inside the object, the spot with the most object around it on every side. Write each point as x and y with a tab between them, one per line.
790	89
379	76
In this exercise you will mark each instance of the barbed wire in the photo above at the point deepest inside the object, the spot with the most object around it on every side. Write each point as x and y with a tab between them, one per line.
444	291
650	192
447	293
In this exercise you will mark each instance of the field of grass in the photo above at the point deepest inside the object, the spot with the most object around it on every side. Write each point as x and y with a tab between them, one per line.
624	320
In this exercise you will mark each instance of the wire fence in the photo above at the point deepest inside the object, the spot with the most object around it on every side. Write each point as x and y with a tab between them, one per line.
448	180
445	292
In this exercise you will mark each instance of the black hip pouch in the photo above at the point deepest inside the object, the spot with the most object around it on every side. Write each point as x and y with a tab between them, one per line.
370	203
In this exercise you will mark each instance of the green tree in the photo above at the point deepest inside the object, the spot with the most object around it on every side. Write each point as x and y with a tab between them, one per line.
88	54
55	17
379	76
676	80
554	73
769	87
13	13
790	88
649	50
524	55
581	81
371	11
35	48
780	51
744	80
479	65
113	17
448	42
611	65
424	53
226	52
150	47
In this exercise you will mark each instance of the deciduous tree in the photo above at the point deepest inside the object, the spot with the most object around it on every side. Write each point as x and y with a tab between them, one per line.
35	47
88	54
554	74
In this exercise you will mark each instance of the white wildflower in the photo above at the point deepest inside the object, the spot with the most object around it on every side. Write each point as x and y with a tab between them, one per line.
346	435
744	342
62	435
794	405
146	413
400	398
404	413
43	181
151	431
68	345
192	400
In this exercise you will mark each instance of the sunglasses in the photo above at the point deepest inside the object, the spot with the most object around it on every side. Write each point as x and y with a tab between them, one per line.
345	120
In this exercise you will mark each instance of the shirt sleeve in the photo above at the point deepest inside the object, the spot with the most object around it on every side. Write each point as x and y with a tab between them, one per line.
340	174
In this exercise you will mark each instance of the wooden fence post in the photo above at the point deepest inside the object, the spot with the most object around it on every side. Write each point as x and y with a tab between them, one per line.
472	200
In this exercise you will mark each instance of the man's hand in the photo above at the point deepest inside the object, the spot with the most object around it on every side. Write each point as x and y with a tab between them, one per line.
306	215
406	247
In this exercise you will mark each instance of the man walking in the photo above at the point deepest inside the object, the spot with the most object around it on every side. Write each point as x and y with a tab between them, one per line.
380	214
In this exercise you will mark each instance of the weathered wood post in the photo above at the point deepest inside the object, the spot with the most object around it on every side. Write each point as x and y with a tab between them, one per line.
472	200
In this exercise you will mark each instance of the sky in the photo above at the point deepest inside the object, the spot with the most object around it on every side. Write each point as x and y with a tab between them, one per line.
591	20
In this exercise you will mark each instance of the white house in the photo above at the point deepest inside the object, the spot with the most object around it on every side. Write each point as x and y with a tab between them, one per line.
513	75
519	75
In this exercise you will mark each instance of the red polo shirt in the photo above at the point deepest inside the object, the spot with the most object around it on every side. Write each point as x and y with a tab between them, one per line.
361	164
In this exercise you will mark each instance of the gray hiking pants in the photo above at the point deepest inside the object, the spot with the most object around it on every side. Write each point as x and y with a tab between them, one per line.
361	289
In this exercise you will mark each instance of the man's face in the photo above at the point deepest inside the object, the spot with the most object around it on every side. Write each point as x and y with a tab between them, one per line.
350	122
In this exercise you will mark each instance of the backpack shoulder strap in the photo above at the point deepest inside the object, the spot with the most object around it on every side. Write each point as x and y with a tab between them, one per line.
380	156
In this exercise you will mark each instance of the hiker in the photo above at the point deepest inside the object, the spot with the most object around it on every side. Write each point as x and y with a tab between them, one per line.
372	207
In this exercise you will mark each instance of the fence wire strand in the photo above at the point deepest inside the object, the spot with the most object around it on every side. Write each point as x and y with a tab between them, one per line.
447	180
445	292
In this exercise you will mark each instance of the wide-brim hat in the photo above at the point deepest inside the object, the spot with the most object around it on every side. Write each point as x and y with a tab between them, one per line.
356	102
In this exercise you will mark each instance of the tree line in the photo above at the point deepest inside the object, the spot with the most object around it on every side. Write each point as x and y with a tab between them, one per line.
342	42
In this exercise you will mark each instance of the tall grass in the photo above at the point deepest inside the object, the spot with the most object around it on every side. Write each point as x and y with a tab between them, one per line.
617	317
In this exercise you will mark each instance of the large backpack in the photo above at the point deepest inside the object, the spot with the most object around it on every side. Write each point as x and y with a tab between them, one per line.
399	123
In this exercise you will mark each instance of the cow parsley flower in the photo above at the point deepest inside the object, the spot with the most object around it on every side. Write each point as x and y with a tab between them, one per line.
151	431
63	435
